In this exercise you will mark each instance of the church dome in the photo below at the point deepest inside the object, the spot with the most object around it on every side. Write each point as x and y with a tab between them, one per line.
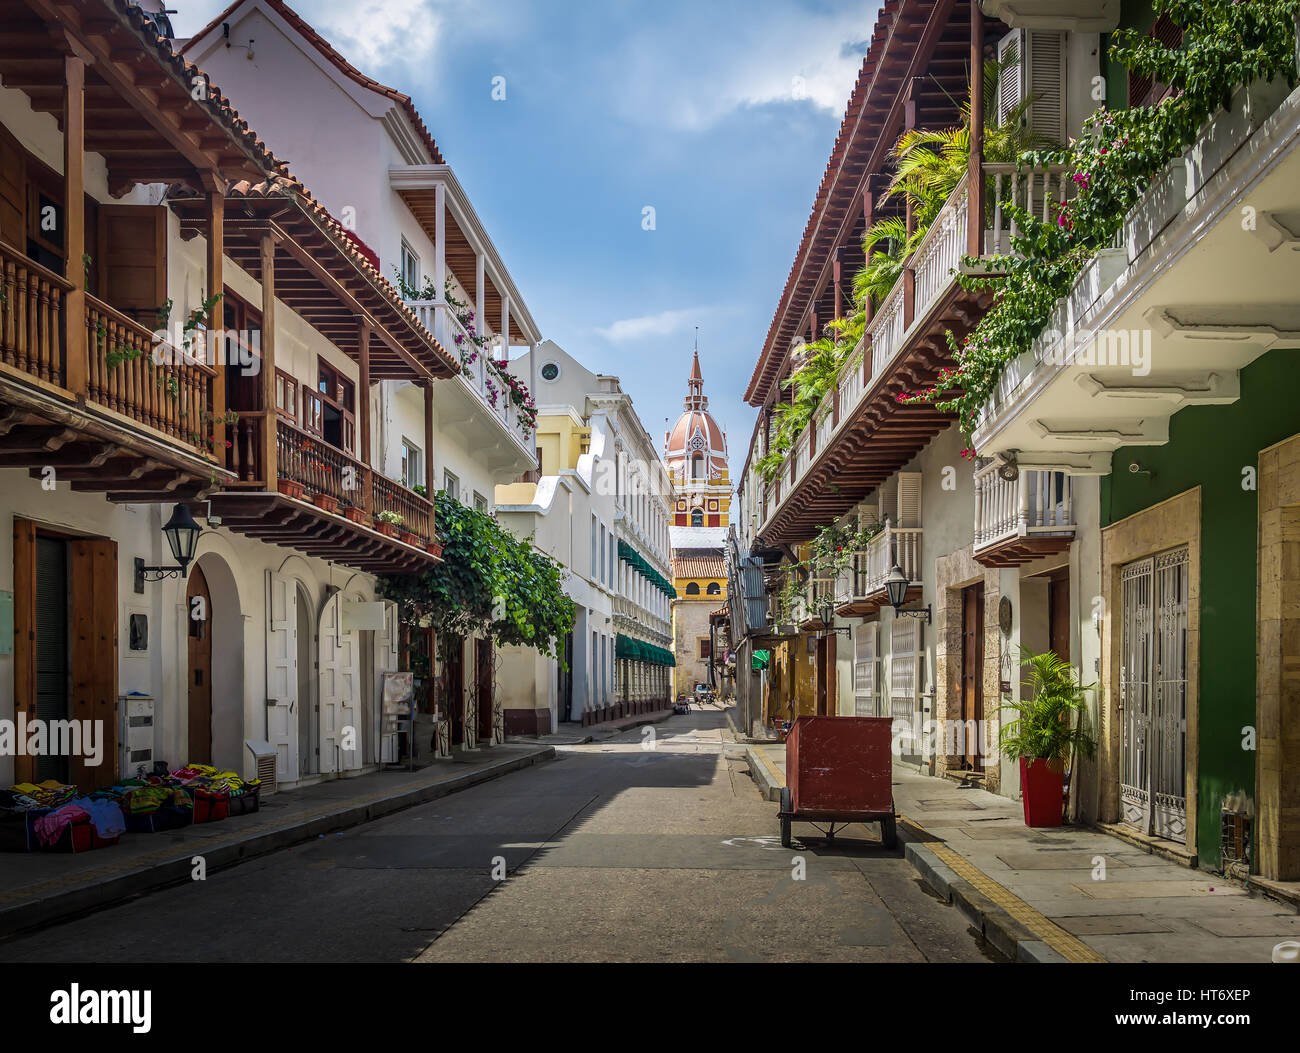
695	449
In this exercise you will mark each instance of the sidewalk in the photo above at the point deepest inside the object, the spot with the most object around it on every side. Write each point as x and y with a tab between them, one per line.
1044	895
38	887
573	734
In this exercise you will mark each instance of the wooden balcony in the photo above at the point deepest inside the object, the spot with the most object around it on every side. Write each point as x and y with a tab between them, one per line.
322	501
1021	515
871	565
862	434
139	426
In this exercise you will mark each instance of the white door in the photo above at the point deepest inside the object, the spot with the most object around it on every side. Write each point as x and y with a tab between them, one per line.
865	694
282	673
340	691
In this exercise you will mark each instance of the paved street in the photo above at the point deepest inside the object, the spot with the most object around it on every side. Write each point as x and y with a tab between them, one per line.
614	853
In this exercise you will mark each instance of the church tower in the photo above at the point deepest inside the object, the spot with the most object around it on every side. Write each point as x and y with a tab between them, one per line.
695	450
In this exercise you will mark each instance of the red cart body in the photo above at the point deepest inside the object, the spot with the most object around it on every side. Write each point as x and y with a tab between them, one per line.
840	768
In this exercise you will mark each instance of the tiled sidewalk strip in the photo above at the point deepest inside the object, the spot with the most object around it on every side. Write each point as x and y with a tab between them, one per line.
26	905
1007	922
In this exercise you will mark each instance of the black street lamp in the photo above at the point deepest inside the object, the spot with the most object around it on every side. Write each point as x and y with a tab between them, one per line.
826	614
896	586
182	535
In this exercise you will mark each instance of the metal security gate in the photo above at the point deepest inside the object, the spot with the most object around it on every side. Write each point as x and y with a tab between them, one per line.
1153	694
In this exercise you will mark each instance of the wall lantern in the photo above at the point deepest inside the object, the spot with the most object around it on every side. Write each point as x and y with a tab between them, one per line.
826	614
182	535
896	586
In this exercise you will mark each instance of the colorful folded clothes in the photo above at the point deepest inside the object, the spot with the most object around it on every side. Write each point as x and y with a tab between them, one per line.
50	793
14	801
49	828
140	800
105	816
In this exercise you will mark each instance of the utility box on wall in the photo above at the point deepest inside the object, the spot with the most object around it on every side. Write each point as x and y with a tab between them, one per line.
135	733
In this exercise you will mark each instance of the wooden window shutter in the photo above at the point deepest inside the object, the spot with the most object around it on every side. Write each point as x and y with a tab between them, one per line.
24	635
904	667
864	669
1143	89
909	500
132	264
1011	82
13	195
92	565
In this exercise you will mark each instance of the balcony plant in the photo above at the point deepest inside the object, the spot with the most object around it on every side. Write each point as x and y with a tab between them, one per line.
1050	726
1225	45
489	583
354	512
387	522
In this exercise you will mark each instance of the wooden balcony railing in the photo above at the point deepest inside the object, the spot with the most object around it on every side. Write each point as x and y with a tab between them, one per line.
416	511
163	387
31	309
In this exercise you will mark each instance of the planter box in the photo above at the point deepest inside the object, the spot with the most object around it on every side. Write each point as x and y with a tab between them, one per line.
414	540
435	549
1042	785
325	502
355	514
290	488
386	528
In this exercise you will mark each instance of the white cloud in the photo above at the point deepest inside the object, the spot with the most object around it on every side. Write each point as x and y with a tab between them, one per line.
647	325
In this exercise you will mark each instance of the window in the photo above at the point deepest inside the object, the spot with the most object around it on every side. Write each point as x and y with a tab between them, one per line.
412	465
592	566
697	517
410	270
697	466
550	371
286	396
451	485
714	589
602	553
693	589
706	649
334	407
480	502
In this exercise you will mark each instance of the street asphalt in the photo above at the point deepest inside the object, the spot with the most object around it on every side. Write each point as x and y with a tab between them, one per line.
651	845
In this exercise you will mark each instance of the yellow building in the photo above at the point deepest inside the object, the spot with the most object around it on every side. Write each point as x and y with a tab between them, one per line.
695	451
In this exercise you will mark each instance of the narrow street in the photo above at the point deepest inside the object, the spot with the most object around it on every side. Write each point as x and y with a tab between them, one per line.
614	853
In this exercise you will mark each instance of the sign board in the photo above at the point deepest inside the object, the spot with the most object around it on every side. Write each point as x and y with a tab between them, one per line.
358	614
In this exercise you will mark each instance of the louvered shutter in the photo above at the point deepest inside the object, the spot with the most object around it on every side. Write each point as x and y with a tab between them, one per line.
904	668
865	690
1046	77
1011	79
907	512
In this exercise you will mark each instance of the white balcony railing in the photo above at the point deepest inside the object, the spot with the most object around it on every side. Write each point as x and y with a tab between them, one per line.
871	565
1033	502
479	374
940	251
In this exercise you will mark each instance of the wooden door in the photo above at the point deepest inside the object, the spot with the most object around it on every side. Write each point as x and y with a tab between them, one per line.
92	566
972	675
339	690
282	674
198	618
132	262
13	194
453	696
1058	617
483	662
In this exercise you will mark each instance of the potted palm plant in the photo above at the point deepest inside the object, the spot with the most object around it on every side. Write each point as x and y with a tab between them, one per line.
1050	725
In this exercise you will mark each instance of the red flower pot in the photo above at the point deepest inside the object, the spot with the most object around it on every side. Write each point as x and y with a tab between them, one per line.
290	488
355	514
414	540
325	502
386	528
1042	783
435	549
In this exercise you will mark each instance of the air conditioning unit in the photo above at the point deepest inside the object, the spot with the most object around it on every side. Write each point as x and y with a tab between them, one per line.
135	734
1033	68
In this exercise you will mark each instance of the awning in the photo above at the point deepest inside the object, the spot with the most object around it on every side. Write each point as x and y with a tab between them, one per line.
635	650
634	559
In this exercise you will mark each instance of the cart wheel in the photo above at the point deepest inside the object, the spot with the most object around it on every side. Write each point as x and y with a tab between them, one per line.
889	831
786	840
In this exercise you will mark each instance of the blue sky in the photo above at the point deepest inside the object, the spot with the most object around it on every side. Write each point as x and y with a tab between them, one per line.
719	116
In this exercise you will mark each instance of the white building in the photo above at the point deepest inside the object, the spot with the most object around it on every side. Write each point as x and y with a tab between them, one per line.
402	201
600	506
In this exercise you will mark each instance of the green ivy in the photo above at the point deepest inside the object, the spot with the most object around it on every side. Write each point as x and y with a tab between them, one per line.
489	583
1225	45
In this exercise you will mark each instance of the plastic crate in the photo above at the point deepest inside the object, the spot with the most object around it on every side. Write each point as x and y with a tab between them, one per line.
209	808
248	801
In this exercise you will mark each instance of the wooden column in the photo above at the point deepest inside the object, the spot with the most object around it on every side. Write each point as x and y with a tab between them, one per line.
909	124
269	453
74	223
838	276
975	180
868	218
363	411
909	275
216	193
480	296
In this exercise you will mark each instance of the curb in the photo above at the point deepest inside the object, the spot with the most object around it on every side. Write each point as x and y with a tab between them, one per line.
150	877
1000	929
768	779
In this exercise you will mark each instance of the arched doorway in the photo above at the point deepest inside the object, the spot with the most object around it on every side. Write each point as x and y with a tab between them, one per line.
308	711
198	608
338	662
483	672
220	707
